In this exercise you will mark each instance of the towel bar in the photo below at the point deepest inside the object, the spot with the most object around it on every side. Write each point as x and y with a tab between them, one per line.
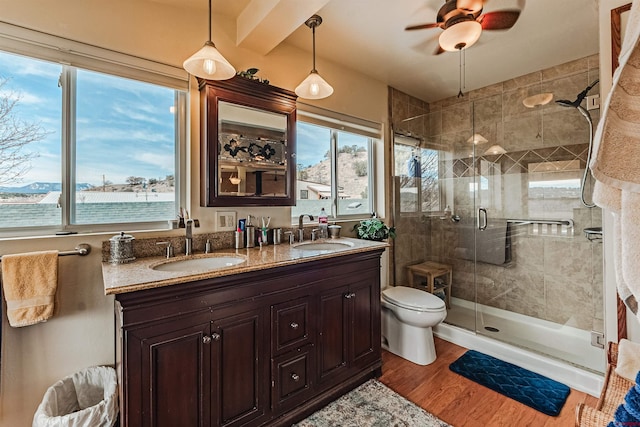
567	222
82	249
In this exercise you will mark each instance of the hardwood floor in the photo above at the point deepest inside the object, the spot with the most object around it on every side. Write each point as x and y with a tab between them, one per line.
461	402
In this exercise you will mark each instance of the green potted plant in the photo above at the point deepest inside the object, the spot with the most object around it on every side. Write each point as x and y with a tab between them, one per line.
374	229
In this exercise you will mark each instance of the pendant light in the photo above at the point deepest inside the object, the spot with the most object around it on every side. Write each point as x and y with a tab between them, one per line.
314	86
208	63
477	139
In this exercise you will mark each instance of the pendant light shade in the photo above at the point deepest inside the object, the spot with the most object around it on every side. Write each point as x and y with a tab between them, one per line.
314	86
495	149
208	63
476	139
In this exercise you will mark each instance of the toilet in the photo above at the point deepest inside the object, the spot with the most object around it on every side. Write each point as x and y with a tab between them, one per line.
408	316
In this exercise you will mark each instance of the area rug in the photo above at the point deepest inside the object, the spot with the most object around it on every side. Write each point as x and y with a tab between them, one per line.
372	405
539	392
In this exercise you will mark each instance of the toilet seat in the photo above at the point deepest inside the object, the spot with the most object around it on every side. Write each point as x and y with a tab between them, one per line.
413	299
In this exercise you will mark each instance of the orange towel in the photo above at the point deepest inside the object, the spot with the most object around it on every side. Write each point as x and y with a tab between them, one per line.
29	282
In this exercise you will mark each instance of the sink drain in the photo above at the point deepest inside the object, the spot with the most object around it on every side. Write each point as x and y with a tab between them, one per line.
491	329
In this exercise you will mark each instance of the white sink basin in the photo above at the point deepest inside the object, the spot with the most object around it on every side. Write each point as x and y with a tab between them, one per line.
326	246
200	264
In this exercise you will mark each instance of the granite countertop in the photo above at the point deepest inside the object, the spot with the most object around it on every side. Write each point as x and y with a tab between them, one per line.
139	274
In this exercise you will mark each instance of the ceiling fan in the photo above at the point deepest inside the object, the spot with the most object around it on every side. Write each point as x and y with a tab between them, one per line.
463	22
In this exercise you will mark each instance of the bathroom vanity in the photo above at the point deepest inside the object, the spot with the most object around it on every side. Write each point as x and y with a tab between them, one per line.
266	342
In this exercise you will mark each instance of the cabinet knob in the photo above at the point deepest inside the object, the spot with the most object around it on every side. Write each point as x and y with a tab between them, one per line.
206	339
295	377
349	295
215	336
294	325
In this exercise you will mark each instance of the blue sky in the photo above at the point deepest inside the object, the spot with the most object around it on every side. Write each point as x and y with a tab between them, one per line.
124	127
313	143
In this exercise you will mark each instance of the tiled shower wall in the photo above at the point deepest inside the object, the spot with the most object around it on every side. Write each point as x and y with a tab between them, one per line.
555	273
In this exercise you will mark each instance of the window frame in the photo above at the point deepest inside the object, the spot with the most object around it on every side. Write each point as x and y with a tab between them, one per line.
335	123
418	144
73	55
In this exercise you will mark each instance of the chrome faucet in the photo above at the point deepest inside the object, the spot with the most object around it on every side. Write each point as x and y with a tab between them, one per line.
300	226
188	241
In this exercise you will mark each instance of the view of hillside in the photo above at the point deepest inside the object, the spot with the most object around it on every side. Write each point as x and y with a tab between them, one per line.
352	173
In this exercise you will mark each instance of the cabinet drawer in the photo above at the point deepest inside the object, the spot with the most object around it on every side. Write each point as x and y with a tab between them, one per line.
290	324
292	375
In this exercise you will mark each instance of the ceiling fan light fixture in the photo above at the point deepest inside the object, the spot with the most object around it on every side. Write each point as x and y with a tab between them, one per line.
314	86
537	100
208	63
460	36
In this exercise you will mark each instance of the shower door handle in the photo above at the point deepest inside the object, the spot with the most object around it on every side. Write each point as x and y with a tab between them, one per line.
482	219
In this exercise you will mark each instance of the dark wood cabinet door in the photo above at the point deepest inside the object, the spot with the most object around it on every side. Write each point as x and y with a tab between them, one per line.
240	361
365	319
168	374
333	320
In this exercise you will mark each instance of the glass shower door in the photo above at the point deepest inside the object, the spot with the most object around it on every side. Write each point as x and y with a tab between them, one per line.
538	278
497	198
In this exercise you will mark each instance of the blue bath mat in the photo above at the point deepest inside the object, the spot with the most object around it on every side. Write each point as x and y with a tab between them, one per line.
539	392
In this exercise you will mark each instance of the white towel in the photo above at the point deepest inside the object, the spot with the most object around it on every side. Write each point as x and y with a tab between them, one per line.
628	359
616	162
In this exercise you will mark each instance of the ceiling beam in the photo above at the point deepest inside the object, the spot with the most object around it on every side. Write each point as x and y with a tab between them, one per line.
264	24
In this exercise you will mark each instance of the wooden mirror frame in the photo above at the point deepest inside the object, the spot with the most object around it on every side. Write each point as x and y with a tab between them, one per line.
253	94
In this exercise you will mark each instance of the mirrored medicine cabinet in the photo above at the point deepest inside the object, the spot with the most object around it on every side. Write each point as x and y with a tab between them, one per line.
248	143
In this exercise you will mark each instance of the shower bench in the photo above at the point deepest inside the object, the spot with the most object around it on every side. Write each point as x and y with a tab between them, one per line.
432	270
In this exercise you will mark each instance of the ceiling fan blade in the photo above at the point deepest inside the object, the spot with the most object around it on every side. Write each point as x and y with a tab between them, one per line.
501	20
421	26
469	6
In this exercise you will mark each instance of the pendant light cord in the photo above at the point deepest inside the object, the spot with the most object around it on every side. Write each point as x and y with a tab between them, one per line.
210	21
313	32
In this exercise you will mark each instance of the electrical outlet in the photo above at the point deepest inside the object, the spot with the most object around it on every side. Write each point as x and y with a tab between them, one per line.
226	221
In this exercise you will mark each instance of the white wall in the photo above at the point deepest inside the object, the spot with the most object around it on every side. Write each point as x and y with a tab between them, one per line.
633	327
82	332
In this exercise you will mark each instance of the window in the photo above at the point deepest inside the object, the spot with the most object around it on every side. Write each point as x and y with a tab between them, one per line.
82	149
334	170
417	174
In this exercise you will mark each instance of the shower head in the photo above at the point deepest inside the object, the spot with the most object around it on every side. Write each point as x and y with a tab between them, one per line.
581	95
